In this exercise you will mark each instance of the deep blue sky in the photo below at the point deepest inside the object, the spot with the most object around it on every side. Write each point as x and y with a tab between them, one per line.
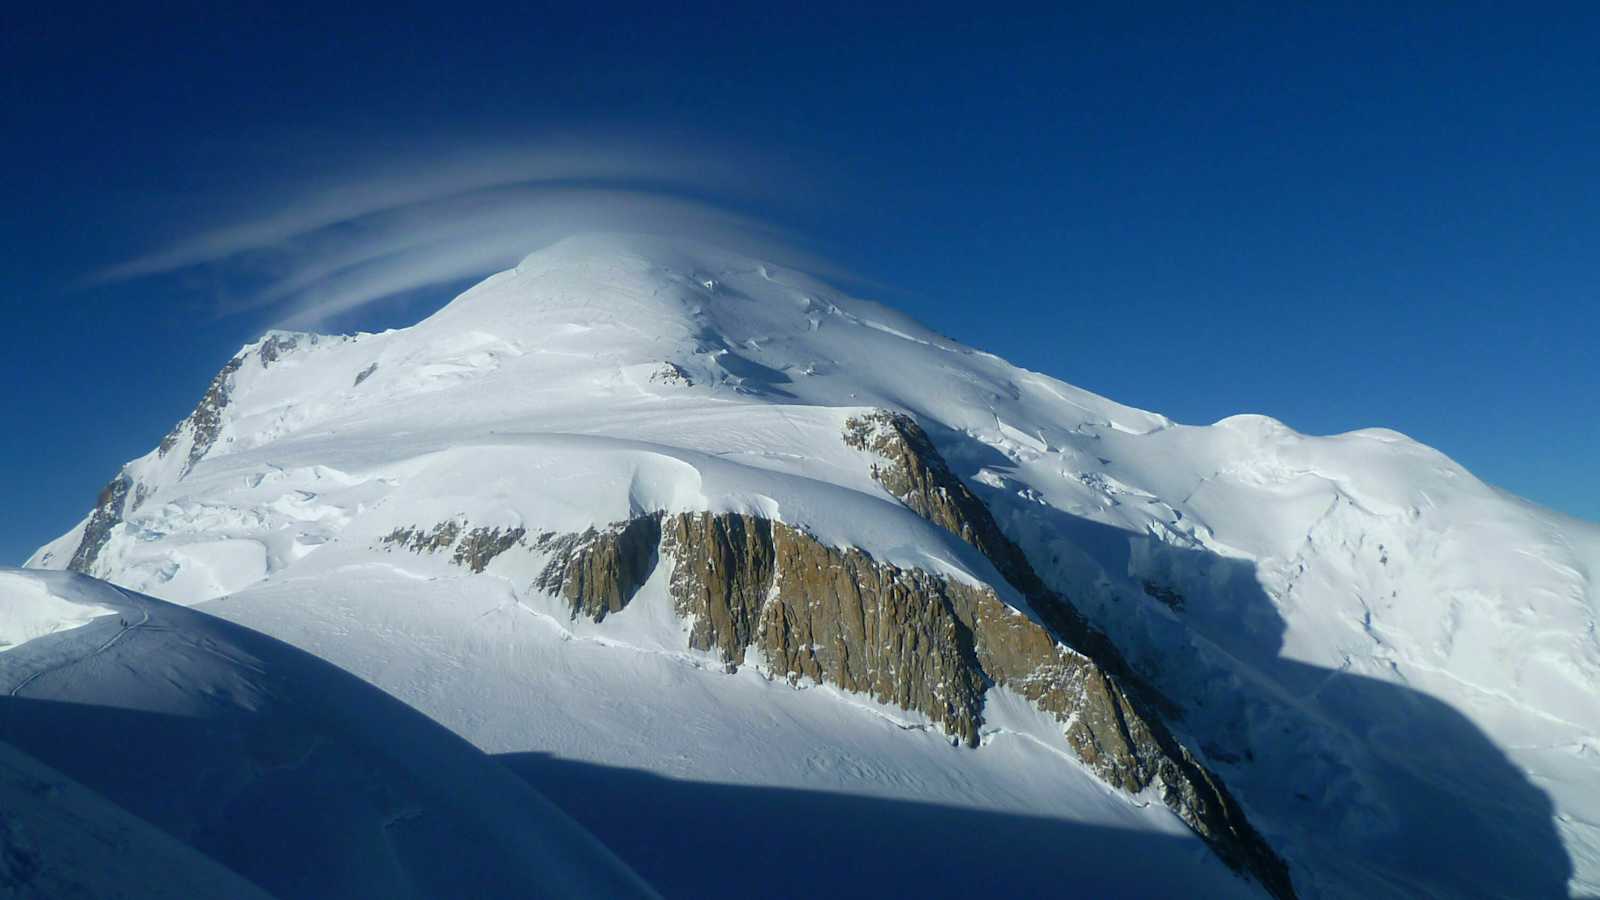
1340	218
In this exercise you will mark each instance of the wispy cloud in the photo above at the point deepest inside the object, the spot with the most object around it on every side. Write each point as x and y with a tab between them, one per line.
382	224
479	240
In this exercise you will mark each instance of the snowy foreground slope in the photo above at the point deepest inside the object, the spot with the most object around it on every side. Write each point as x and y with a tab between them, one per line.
60	839
1392	666
157	751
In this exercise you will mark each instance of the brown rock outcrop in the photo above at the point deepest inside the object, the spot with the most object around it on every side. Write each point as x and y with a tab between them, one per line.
753	587
826	614
1114	717
722	573
598	572
205	423
425	540
480	546
107	514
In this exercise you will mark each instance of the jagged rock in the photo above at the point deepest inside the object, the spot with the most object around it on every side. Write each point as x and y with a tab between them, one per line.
840	617
914	471
277	344
420	540
480	546
1114	717
205	423
364	374
826	614
721	575
906	637
598	572
475	548
107	514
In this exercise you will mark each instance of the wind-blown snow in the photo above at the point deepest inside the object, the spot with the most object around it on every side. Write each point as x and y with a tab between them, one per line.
1362	634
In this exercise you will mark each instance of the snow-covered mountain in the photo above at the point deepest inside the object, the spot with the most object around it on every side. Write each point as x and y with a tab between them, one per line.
644	504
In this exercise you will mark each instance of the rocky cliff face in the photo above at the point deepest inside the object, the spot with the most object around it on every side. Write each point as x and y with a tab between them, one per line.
754	590
203	427
109	509
826	614
1116	719
205	423
912	469
598	572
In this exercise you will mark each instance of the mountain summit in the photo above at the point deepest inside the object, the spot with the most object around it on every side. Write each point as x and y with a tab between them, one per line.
647	504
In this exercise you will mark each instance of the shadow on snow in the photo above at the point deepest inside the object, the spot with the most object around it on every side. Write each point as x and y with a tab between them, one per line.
703	840
1389	789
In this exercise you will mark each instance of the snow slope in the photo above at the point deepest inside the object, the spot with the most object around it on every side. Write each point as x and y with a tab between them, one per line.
1365	639
291	773
32	611
59	839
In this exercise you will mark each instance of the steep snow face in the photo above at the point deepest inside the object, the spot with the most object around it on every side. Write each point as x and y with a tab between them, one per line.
1364	638
291	773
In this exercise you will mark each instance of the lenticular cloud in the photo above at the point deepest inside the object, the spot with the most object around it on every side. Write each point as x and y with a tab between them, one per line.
326	244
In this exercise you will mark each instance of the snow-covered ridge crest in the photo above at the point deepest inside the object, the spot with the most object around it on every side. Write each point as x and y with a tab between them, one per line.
1248	570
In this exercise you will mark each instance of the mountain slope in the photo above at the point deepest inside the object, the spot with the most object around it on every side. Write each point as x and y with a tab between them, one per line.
289	772
460	512
60	839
